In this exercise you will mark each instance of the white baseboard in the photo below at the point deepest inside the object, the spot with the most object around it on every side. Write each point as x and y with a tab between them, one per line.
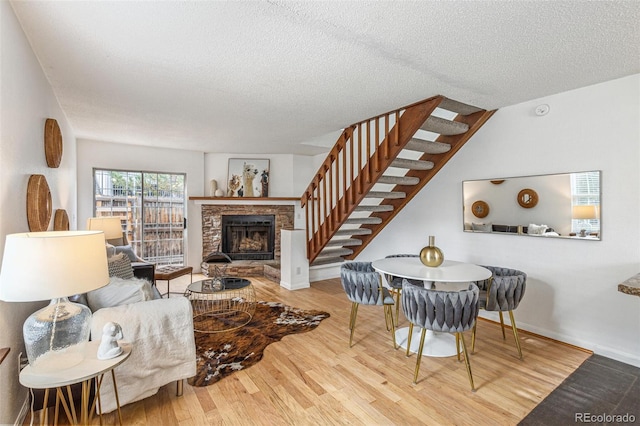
294	286
23	411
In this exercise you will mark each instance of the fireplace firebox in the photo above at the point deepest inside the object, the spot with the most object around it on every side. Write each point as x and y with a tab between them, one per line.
248	237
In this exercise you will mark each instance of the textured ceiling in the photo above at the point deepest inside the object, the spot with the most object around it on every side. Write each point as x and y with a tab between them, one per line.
264	77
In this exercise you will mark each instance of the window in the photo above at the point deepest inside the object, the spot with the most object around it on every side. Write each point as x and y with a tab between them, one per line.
152	206
585	201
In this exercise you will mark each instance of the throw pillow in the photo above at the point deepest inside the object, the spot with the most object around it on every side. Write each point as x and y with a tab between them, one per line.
482	227
128	250
120	266
120	292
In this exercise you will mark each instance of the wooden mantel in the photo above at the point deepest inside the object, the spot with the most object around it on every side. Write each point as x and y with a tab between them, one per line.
245	200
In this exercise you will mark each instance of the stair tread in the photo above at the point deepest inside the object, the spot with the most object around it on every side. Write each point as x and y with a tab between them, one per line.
426	146
378	208
459	107
364	220
344	242
387	194
354	231
335	252
326	261
444	127
399	180
405	163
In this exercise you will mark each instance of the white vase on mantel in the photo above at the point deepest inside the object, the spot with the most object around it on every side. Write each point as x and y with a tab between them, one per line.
213	187
219	193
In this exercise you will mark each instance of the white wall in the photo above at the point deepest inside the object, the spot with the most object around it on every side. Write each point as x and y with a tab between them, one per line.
26	101
92	154
572	284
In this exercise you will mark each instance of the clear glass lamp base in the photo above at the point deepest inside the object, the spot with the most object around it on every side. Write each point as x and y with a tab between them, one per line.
56	335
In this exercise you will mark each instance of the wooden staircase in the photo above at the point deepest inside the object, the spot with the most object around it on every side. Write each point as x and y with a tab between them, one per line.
375	168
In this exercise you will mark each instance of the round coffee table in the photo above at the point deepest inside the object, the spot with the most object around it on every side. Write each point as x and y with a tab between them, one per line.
215	311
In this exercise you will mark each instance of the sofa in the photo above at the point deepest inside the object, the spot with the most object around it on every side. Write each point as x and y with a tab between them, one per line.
160	331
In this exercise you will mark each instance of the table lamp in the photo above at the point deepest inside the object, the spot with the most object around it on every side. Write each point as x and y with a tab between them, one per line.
585	212
110	225
54	265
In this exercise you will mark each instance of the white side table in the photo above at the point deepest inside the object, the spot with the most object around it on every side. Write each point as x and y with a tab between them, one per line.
89	368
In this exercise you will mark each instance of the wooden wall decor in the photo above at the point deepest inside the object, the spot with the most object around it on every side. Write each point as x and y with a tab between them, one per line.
60	220
527	198
52	143
480	209
38	203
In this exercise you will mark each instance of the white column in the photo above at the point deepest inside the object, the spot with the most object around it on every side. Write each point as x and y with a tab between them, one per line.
294	266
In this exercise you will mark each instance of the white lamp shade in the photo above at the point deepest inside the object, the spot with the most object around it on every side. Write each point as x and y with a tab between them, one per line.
586	211
110	225
47	265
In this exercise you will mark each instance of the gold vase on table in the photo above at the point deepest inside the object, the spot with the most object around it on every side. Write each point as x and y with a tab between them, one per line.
431	255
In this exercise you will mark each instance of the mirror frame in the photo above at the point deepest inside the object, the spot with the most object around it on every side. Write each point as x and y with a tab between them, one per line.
509	205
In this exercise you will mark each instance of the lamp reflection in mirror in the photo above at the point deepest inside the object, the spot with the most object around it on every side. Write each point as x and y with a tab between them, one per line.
585	212
54	265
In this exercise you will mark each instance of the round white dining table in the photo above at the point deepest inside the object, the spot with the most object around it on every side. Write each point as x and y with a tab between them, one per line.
442	277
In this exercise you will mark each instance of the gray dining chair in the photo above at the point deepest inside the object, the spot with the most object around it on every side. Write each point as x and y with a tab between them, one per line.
363	286
396	282
440	311
502	292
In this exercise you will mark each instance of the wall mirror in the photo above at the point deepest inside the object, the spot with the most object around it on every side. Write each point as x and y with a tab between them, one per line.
563	205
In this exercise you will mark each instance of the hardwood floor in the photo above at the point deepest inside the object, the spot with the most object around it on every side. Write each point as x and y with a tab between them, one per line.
314	378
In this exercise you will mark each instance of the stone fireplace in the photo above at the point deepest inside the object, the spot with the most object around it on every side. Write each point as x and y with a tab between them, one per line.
213	215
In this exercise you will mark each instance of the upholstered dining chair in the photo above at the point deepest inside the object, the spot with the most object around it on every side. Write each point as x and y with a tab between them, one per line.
363	286
396	283
440	311
502	292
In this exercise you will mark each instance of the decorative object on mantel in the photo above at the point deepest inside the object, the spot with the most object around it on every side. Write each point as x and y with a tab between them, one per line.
52	143
213	187
480	208
431	255
221	354
38	203
248	177
60	220
527	198
219	193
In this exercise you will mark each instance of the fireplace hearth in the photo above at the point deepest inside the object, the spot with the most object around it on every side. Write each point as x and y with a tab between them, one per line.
248	237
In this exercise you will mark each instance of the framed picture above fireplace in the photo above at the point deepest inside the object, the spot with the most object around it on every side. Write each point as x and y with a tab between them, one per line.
248	177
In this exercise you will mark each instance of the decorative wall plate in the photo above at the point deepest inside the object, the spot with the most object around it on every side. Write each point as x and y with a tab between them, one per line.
52	143
60	220
38	203
527	198
480	208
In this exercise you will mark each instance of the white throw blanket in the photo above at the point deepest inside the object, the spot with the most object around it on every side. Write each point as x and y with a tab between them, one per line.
163	348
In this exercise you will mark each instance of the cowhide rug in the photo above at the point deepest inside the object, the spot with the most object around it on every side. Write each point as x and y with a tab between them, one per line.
220	354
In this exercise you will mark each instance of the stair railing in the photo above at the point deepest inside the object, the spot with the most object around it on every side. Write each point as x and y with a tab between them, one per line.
361	154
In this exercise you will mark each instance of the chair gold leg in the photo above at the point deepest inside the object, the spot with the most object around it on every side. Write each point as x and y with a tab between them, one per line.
473	338
515	333
502	325
409	337
458	345
398	294
466	361
415	374
389	314
352	321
